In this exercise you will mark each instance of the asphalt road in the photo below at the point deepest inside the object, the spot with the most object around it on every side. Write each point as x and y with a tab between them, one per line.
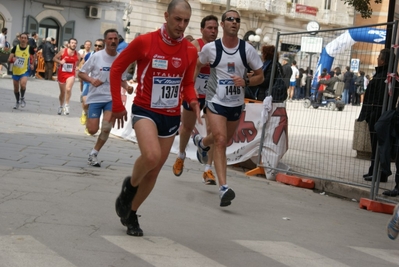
55	210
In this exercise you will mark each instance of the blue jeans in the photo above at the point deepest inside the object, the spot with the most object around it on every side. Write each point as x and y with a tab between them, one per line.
345	96
297	92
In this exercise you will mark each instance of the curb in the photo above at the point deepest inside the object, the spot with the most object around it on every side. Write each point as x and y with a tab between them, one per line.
376	206
342	190
351	192
295	181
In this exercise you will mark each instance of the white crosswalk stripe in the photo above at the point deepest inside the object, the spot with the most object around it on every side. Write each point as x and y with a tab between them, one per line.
289	254
23	251
160	251
391	256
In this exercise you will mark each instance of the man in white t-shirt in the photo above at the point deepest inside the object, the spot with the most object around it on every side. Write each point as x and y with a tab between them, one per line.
99	96
294	76
229	59
3	45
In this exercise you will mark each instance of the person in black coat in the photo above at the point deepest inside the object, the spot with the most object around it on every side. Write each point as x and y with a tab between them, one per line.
287	71
267	58
373	104
48	54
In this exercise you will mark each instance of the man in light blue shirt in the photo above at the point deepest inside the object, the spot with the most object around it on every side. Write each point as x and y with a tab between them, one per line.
122	44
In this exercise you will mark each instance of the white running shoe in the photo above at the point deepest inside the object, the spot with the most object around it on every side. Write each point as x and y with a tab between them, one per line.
393	224
66	110
60	110
202	153
92	161
16	106
23	103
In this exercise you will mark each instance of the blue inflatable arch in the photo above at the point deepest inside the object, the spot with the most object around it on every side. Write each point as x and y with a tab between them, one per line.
343	42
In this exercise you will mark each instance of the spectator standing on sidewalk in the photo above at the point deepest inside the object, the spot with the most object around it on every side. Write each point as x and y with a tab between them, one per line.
96	72
15	42
48	54
166	64
122	44
348	80
287	72
372	106
22	58
294	76
3	41
229	59
209	30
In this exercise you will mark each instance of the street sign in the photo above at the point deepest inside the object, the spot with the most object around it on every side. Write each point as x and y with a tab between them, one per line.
355	63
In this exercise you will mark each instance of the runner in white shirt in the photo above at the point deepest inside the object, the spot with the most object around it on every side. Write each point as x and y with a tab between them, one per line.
99	96
229	59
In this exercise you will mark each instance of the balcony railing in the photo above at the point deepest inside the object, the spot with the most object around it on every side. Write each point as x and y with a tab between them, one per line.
279	7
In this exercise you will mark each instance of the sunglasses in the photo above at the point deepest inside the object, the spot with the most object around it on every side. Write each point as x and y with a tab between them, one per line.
96	45
231	19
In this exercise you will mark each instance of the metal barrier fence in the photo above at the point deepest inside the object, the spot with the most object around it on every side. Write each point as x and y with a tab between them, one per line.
326	142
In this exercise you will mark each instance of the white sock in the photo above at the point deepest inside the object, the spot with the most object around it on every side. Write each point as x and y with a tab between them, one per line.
207	167
94	152
181	155
224	187
202	144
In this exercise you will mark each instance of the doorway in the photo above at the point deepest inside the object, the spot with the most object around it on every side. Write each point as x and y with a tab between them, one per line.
2	22
48	28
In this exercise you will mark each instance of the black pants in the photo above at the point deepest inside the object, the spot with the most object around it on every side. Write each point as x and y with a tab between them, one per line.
355	99
48	70
373	138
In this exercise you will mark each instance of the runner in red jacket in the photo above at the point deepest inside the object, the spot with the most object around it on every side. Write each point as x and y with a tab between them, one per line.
166	63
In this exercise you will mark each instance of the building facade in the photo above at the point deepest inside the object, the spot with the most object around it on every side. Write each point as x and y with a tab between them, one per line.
268	15
62	19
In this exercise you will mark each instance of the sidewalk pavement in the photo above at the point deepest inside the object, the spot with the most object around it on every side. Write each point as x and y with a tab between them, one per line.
35	140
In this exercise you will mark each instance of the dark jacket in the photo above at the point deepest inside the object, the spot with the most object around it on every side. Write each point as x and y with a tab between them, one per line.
330	83
374	96
263	88
287	72
15	42
348	76
48	51
359	81
352	87
32	43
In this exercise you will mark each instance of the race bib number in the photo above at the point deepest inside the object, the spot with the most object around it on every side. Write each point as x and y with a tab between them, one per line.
67	67
19	62
201	83
228	92
165	92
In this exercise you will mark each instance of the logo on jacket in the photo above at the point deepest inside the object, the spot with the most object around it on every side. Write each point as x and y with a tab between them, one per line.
158	56
176	62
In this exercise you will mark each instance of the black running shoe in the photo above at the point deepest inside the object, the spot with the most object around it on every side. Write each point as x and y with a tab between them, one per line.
123	204
226	196
133	226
